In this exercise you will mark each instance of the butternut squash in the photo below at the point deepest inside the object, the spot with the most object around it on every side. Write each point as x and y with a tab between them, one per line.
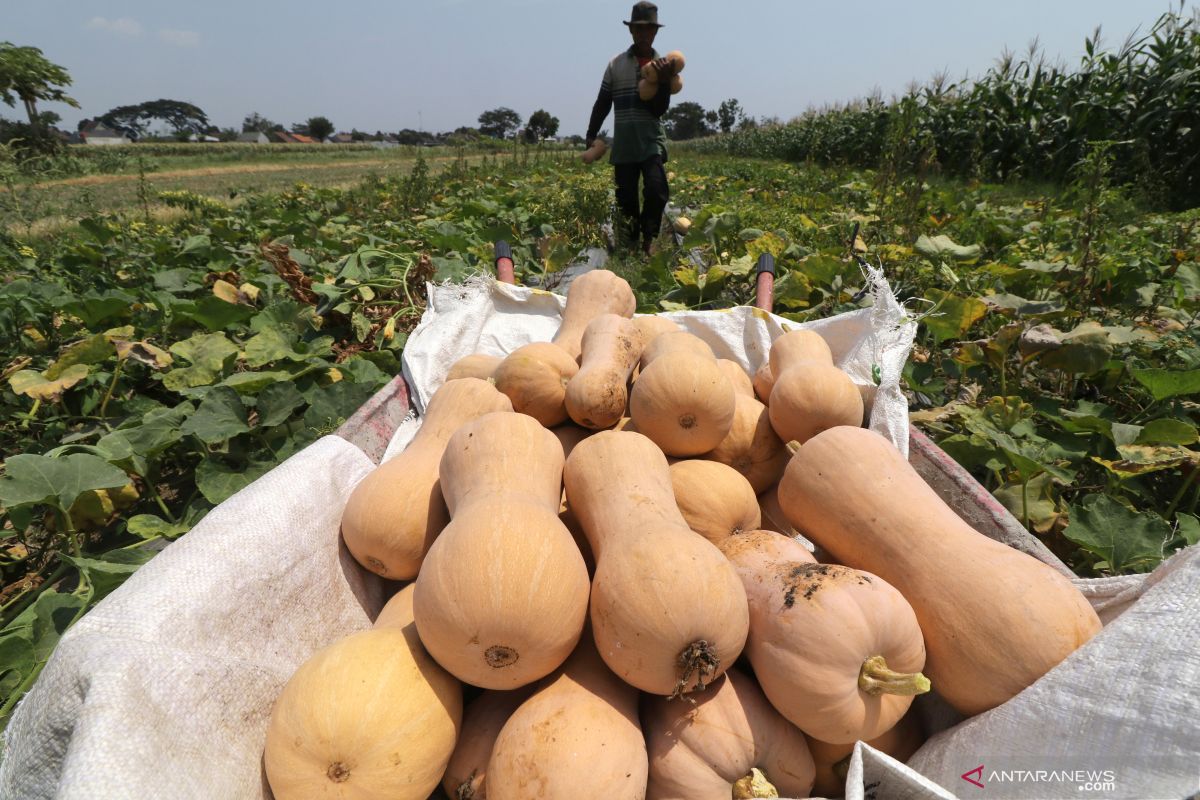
995	619
668	612
577	738
737	376
810	394
595	152
597	394
535	377
590	295
837	651
832	761
476	365
752	447
369	716
502	596
674	341
397	612
766	544
683	402
394	514
715	500
704	749
651	326
764	381
466	774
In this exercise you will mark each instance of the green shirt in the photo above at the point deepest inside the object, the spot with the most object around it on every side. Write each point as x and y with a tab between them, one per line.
638	134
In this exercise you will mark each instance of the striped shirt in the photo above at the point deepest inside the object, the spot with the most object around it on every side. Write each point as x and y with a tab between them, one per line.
638	134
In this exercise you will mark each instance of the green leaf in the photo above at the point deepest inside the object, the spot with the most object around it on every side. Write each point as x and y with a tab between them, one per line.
103	575
221	416
35	479
1020	306
1189	529
196	245
333	405
94	307
943	247
93	350
1128	541
178	280
361	325
210	355
276	404
216	314
1164	383
251	383
1034	499
1083	351
360	370
953	315
157	432
28	640
824	269
1168	431
148	526
218	482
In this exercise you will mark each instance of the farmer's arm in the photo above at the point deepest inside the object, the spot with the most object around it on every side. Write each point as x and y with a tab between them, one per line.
600	109
599	114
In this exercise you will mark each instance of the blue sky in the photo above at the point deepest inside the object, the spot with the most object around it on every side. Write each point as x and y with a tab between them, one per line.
437	64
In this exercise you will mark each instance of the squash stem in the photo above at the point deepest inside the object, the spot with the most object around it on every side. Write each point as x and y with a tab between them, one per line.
875	679
754	785
792	447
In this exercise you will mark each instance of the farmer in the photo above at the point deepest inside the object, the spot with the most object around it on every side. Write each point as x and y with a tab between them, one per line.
639	142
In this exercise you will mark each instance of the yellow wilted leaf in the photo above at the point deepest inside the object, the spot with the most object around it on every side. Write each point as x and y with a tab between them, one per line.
224	290
145	353
32	383
250	291
859	245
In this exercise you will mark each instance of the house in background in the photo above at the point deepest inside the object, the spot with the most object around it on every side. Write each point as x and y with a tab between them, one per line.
254	137
340	138
285	137
96	132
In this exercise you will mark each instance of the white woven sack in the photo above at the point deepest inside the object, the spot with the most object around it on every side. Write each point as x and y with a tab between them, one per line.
485	316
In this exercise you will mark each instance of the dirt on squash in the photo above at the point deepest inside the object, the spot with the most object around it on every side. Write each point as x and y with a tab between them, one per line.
805	580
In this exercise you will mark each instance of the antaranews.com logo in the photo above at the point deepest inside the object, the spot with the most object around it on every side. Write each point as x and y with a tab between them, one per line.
1041	780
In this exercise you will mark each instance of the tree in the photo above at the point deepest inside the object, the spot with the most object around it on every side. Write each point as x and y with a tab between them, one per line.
541	125
687	120
183	118
729	114
26	75
499	122
320	128
257	122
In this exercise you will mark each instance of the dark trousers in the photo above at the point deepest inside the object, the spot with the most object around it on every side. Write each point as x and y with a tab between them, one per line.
655	194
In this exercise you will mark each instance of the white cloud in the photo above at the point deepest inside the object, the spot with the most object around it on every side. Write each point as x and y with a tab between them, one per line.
179	38
123	26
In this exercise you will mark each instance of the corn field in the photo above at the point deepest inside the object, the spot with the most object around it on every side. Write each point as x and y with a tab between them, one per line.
1025	118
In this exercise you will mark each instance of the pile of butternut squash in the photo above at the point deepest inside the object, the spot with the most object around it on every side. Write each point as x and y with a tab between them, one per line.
603	596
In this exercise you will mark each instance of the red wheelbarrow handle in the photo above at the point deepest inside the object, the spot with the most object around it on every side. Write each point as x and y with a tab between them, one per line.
504	262
764	287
